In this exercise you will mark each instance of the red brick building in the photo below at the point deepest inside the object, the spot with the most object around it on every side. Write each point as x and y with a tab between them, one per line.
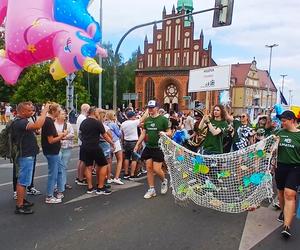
163	69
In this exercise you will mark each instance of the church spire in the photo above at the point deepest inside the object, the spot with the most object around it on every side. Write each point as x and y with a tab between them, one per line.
173	9
164	13
201	34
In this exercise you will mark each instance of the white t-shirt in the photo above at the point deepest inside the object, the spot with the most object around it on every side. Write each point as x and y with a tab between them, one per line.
80	119
7	110
129	130
189	123
68	142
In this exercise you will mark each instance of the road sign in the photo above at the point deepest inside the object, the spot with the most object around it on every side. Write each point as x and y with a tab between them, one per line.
186	97
130	96
210	78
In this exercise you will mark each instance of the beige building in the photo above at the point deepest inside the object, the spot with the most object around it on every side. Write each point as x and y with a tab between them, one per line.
249	89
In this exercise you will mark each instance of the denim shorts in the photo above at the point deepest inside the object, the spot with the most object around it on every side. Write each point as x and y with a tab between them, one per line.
106	149
25	170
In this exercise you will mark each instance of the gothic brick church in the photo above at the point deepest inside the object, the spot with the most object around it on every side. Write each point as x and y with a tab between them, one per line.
163	69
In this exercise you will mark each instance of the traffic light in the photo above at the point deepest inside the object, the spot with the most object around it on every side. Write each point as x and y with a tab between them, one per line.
223	13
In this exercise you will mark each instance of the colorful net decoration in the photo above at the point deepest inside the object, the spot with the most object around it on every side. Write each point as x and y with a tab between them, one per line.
235	182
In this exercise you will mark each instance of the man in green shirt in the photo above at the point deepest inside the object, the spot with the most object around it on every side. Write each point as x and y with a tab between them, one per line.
154	125
287	173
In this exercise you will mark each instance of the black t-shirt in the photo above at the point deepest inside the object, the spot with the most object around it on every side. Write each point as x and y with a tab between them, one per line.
2	109
89	132
49	129
25	138
174	123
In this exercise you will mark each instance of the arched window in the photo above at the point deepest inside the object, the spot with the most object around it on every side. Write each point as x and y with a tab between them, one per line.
149	90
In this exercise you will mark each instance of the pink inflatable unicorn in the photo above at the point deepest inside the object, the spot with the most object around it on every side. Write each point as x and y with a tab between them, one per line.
32	36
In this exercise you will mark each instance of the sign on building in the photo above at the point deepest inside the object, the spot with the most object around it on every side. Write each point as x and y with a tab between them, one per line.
130	96
210	78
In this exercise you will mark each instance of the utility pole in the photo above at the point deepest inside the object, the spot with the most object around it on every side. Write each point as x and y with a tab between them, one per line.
290	97
270	64
282	83
70	92
100	60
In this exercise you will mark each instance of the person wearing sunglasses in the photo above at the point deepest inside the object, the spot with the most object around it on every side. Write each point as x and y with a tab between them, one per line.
243	132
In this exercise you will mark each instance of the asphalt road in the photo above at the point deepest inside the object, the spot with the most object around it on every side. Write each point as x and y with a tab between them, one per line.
124	220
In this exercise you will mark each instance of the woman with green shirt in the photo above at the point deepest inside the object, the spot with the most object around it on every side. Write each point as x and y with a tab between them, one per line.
217	127
287	173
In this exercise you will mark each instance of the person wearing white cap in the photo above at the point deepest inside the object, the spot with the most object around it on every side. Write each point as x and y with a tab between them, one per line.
154	125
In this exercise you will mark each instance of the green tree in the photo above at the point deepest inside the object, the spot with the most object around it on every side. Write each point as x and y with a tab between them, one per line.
38	86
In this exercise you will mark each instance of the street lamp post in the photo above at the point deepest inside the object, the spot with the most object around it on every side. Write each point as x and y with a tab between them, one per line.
290	97
100	61
282	83
270	64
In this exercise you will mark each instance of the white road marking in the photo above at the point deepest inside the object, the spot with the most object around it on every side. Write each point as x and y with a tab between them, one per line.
36	178
115	188
259	224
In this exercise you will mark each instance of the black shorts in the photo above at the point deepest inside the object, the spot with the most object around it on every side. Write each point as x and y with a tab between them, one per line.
153	153
91	155
287	176
128	150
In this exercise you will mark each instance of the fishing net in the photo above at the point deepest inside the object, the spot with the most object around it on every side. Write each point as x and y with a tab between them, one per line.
234	182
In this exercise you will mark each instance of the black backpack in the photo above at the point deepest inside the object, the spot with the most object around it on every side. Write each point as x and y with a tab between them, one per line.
8	149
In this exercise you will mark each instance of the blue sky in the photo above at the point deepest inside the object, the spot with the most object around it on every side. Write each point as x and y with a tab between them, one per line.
255	24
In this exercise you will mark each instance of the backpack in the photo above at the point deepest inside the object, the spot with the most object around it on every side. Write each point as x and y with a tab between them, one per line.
8	149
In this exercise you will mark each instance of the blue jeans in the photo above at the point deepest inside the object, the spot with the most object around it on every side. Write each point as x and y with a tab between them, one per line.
55	175
65	155
25	170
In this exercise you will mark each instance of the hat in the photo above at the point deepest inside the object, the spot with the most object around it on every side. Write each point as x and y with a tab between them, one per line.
130	114
198	112
288	114
152	104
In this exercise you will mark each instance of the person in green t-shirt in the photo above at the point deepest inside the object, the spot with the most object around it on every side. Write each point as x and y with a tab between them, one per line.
154	125
263	127
287	173
217	128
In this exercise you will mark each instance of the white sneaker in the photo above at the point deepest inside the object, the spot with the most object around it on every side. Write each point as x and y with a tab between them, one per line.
150	193
164	187
33	191
60	196
118	181
52	200
110	181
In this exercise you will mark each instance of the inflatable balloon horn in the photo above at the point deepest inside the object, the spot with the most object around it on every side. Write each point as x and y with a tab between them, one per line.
37	31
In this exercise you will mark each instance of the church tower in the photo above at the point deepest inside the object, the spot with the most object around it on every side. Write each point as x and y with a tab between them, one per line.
163	70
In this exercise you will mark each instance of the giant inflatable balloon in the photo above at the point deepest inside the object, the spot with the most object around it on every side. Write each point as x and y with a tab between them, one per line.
37	31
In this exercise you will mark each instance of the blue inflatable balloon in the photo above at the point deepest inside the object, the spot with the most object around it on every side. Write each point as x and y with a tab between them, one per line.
74	13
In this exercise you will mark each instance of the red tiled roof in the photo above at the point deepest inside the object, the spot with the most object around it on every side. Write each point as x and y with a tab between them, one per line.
265	80
239	72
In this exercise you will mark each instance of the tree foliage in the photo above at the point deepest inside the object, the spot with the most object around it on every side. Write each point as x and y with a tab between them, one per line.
36	83
38	86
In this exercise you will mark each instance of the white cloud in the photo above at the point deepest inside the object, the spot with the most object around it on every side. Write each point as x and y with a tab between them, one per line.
255	24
